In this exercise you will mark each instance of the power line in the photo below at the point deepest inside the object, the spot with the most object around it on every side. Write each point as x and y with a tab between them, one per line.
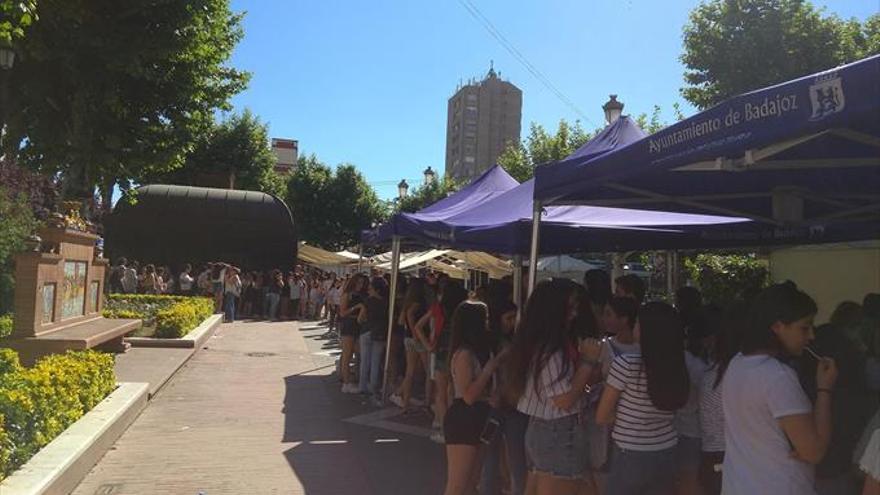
492	30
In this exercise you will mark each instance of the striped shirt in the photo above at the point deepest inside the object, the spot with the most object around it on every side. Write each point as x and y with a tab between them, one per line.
551	383
638	424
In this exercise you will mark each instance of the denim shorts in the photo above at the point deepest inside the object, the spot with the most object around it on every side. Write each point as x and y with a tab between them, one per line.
636	472
687	453
558	447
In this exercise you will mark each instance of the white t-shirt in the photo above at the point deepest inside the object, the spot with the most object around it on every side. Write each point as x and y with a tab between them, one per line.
756	392
711	413
551	383
687	419
186	282
296	289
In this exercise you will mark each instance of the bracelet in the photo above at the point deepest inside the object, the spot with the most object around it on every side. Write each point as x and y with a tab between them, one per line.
827	390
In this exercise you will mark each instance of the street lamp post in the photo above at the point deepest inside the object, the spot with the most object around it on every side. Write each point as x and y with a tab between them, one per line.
430	176
402	189
613	109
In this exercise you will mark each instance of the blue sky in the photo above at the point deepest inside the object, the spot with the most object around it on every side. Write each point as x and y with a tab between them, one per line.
367	82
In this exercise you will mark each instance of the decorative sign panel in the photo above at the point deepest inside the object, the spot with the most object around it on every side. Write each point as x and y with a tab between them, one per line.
73	292
48	303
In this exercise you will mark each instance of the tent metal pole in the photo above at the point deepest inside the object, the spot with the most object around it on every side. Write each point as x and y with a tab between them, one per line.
392	297
617	262
670	270
533	252
360	257
517	283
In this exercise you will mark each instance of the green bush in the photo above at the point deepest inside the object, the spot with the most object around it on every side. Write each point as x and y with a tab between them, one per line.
173	316
37	404
179	319
725	279
5	326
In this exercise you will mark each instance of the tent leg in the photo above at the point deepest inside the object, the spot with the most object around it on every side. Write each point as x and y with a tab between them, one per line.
360	257
533	252
517	284
617	262
670	283
392	296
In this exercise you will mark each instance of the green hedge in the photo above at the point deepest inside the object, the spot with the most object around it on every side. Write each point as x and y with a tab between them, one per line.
179	319
173	316
5	326
37	404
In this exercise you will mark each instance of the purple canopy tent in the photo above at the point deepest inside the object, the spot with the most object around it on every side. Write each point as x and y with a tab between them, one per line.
485	187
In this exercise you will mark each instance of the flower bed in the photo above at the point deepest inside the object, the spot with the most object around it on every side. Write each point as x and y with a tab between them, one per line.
37	404
164	316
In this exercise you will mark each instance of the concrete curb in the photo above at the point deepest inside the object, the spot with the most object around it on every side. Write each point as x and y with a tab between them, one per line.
60	466
193	340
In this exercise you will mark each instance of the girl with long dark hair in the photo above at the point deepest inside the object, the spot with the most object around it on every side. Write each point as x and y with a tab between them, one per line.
773	435
472	370
374	333
413	308
641	393
349	328
548	372
439	317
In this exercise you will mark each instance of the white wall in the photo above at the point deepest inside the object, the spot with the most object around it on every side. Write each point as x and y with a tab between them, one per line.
830	274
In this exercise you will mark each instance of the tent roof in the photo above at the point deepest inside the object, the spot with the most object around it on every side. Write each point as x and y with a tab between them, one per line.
812	143
317	256
491	183
173	224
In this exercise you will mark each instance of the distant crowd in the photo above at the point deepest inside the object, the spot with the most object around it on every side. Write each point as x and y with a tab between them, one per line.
269	295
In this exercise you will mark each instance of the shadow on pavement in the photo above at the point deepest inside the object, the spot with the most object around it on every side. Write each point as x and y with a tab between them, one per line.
331	456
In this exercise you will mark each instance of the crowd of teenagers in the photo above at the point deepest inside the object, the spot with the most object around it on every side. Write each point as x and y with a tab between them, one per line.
591	391
271	295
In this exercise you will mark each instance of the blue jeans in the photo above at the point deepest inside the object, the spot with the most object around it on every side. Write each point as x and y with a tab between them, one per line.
270	306
370	369
229	306
636	472
513	436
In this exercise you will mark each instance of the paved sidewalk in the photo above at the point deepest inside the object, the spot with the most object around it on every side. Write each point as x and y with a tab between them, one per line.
258	411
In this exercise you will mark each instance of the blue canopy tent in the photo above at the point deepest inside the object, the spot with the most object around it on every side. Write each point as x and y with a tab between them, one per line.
802	159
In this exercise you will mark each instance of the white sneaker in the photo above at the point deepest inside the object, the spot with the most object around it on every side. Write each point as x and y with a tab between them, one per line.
396	400
416	402
350	388
438	437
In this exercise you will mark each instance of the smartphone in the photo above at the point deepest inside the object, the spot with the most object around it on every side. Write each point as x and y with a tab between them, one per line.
490	429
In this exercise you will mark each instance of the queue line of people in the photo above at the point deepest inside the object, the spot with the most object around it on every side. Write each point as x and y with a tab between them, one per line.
600	392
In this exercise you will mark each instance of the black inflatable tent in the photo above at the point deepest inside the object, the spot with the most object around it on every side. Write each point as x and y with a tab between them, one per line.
167	224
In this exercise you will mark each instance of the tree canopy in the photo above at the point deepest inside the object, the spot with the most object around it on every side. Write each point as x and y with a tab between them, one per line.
235	150
15	17
331	208
731	47
102	90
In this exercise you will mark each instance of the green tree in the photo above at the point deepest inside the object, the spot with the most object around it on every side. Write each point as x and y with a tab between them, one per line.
103	90
234	151
331	208
15	17
731	47
424	195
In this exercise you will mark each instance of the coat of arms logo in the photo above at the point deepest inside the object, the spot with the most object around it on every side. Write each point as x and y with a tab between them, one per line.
826	95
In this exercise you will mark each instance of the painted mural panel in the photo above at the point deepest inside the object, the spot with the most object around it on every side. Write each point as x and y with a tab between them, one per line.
73	292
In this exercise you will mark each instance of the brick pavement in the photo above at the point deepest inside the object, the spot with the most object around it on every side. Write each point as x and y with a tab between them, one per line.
258	411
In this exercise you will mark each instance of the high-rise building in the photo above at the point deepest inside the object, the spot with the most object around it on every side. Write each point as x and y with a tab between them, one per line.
483	118
287	152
